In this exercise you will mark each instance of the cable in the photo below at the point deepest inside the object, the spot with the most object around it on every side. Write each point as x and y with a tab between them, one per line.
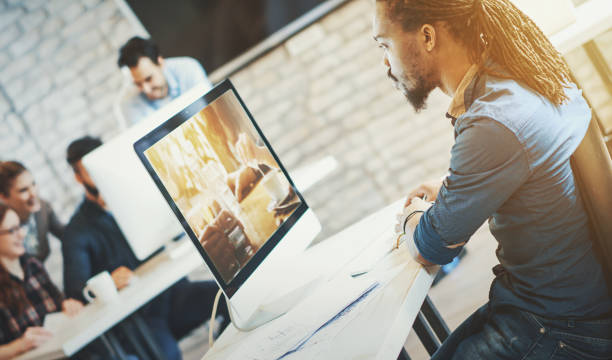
212	319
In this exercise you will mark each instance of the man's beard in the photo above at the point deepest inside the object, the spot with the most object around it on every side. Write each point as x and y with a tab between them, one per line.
161	90
417	96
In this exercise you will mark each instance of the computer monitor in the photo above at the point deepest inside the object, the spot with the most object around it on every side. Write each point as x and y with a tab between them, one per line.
234	199
130	194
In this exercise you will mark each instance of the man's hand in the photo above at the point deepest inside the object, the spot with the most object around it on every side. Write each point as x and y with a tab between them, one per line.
122	277
428	190
71	307
419	205
414	204
33	337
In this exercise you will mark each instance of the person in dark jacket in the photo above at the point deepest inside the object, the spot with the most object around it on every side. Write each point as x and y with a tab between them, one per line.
94	243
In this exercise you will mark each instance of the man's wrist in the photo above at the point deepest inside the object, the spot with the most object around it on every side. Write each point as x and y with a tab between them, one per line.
411	220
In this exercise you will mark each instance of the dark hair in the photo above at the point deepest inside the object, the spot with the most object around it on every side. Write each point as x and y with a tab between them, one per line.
81	147
12	295
509	37
136	48
3	210
9	170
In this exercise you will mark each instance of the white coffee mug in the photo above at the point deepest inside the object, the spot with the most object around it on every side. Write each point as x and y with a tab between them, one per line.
102	287
275	187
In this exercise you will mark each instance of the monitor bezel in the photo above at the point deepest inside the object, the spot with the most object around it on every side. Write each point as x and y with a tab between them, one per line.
177	120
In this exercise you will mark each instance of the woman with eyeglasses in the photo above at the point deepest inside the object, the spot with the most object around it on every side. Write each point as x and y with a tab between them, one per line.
26	291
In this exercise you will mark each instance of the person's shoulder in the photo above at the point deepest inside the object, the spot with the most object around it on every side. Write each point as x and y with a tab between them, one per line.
80	221
484	130
182	61
184	65
32	263
130	100
506	101
44	204
46	209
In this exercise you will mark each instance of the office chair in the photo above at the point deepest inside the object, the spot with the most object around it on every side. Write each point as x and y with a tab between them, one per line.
592	167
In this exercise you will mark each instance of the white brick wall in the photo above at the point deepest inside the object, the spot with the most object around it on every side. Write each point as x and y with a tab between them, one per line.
324	92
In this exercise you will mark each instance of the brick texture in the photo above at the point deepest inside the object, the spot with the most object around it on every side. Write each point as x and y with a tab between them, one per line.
323	92
57	72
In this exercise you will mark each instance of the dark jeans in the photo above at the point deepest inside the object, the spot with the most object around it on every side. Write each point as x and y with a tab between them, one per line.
179	310
513	334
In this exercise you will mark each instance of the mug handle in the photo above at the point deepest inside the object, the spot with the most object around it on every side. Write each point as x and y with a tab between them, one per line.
86	295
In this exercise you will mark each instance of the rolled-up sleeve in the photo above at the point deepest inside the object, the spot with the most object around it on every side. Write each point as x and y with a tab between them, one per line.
488	164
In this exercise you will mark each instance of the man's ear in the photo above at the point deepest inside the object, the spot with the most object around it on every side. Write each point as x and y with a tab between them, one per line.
160	61
428	36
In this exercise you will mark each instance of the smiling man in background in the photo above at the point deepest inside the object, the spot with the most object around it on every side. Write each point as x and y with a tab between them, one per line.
157	80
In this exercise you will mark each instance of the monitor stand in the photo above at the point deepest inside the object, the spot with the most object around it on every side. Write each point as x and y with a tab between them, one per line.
276	305
281	280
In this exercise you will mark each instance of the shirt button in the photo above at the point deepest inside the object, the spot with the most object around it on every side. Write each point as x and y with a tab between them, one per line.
542	330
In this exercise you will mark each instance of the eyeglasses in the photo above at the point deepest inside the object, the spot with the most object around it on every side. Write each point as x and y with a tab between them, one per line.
13	230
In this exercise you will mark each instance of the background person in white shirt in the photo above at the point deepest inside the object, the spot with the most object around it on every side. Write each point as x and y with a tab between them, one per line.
157	80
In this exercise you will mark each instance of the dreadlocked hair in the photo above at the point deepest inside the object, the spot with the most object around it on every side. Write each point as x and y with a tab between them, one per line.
498	29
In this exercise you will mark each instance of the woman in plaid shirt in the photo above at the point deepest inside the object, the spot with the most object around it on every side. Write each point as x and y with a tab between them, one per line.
26	292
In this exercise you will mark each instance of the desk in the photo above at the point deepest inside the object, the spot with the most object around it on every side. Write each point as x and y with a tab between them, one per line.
381	329
154	276
381	334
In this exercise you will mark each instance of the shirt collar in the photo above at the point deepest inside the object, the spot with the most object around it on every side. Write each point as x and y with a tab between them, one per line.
29	266
457	106
173	85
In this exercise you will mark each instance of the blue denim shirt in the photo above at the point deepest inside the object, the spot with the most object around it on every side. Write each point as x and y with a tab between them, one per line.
510	164
181	73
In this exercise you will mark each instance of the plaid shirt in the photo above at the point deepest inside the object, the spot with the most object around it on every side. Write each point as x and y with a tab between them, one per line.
43	296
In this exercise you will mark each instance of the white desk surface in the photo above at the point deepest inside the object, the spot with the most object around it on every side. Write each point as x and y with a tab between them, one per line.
154	276
380	330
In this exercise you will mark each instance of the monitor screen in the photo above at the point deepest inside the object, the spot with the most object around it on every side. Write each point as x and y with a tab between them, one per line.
224	183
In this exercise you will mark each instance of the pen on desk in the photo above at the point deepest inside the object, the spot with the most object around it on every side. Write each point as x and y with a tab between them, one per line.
359	273
362	271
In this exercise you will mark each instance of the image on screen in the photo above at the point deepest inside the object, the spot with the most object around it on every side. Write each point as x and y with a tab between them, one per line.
225	182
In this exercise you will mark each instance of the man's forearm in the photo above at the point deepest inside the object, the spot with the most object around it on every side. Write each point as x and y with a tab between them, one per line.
11	350
413	222
431	246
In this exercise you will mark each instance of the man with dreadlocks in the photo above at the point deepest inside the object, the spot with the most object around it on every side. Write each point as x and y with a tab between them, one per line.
517	119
